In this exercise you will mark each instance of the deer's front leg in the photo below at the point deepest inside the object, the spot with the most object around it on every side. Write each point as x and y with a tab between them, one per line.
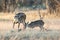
24	24
13	24
18	25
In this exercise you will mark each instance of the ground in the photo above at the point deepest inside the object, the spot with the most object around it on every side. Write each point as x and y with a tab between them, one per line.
6	23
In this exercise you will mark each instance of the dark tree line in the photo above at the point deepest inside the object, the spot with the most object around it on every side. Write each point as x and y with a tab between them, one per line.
54	5
10	5
7	5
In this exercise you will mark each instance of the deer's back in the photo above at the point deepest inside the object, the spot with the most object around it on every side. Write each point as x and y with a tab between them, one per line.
36	23
19	17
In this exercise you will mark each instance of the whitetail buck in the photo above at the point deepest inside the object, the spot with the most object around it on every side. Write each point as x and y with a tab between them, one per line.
37	23
19	18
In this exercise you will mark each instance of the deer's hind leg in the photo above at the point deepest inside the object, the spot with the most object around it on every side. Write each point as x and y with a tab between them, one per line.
43	29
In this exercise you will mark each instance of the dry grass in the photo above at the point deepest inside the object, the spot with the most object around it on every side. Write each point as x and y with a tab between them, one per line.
31	35
52	22
31	16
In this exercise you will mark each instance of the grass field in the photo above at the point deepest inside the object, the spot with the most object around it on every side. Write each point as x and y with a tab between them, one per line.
31	35
52	23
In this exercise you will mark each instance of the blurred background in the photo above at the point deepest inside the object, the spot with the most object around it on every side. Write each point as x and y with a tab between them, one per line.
11	5
48	9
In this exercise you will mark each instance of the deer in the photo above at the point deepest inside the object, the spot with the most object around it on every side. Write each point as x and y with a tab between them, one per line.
38	23
19	18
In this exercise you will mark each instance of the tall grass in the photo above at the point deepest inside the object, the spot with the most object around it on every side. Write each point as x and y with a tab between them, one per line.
31	34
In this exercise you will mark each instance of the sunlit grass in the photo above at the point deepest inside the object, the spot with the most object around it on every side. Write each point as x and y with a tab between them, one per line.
31	16
31	35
